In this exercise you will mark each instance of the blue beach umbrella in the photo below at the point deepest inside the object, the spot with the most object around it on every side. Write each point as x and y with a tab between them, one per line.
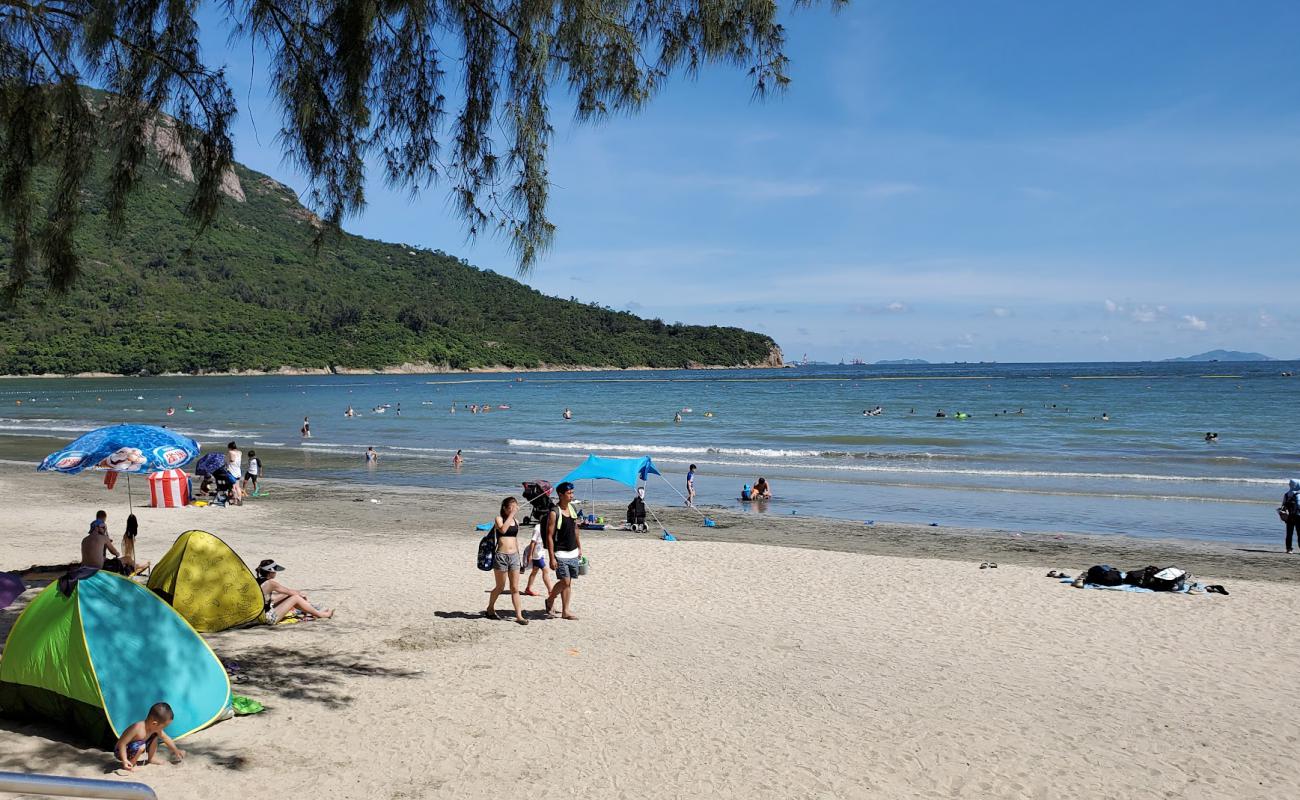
209	464
132	449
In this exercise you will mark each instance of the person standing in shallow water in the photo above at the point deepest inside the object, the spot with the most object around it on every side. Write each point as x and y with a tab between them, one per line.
1291	510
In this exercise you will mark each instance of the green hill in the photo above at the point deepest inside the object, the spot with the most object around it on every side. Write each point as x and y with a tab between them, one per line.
252	294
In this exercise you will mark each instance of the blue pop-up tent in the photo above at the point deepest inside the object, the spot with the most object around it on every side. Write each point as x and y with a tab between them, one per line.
626	471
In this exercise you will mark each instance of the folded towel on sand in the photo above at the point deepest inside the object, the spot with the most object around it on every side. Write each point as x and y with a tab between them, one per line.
1139	590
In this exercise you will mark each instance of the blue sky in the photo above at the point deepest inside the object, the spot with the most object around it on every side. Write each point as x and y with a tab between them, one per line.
1011	181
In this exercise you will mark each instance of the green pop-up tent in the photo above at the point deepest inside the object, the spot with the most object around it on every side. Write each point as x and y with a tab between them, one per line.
97	659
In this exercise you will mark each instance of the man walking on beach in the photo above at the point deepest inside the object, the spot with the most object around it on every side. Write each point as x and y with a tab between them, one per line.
564	547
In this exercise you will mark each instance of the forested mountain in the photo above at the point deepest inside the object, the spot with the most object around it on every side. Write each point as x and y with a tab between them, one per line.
252	293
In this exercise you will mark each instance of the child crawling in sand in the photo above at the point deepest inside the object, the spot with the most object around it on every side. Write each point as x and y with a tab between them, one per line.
139	742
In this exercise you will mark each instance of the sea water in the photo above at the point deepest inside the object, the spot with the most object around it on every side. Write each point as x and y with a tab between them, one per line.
1034	453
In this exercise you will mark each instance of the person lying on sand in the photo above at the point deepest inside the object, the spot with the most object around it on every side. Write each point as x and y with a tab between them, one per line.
279	600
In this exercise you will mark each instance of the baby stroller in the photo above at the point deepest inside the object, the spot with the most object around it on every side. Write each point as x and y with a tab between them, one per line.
212	467
538	495
224	484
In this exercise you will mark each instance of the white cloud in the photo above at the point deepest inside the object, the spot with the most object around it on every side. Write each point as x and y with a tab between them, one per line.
1146	313
1000	312
1193	322
896	307
1112	307
1265	319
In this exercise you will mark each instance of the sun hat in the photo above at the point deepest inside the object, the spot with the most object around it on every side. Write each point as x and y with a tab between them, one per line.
269	565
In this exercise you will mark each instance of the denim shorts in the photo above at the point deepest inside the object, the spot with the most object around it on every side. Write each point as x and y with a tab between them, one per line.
566	568
507	562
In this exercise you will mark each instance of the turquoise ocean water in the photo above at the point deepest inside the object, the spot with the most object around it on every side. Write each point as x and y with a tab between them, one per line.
1148	471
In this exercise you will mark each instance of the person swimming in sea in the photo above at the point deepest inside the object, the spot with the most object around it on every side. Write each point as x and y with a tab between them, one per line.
941	414
568	414
1105	417
1211	437
677	417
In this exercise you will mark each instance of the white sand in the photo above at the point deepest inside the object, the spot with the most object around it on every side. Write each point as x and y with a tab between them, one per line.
696	669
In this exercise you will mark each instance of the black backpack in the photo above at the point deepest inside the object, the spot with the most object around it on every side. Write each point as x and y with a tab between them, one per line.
1140	577
487	550
1105	575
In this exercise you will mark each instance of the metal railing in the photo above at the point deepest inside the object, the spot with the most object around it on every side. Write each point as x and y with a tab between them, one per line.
59	786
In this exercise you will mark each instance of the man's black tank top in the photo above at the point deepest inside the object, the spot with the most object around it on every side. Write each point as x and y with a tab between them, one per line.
566	531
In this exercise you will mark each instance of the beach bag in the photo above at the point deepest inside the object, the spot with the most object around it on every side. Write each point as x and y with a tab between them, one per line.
1140	577
1105	575
1290	506
487	551
1168	579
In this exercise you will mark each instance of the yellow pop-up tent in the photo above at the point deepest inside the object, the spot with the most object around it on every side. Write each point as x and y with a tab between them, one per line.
207	583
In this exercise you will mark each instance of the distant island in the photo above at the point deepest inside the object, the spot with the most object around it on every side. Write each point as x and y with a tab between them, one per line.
1225	355
902	361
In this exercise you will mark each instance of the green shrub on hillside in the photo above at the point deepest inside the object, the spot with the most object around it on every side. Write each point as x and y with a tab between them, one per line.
253	293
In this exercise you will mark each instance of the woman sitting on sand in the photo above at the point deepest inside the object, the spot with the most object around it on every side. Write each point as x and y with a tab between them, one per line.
279	600
508	560
130	566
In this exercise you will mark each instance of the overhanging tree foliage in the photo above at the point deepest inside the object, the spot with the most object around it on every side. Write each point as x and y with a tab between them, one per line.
357	80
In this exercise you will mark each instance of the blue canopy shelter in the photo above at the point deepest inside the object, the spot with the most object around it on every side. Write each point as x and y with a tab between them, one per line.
626	471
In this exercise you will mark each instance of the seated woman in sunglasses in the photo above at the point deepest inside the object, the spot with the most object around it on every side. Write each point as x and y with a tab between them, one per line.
279	599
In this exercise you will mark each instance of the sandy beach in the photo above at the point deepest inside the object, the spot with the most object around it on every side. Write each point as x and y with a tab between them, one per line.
769	657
